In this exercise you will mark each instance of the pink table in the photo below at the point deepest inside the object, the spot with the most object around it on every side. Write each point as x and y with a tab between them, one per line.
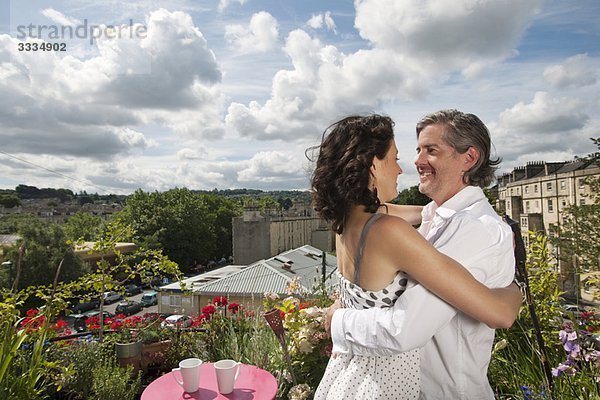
252	383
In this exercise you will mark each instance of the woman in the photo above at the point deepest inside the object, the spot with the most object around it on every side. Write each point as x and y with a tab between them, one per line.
356	173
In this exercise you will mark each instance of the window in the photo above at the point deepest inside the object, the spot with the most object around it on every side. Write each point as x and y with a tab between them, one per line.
175	301
535	189
549	186
550	205
537	205
507	205
524	222
563	202
581	183
511	192
563	185
526	189
527	210
582	202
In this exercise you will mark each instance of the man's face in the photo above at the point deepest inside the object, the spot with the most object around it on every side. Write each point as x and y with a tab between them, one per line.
439	166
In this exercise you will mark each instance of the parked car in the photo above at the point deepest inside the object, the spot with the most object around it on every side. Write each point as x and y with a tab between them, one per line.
79	319
149	299
111	297
176	321
132	289
81	307
128	307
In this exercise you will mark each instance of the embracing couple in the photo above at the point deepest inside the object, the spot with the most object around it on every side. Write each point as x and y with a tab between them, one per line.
417	309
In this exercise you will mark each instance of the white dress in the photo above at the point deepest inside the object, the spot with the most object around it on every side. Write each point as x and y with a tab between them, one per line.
370	377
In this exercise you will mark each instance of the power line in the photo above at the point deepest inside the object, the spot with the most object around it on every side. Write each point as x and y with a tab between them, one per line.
56	172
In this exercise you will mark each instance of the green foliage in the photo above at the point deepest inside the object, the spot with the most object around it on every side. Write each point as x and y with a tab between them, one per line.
45	247
83	226
110	382
9	200
516	369
83	358
188	227
411	196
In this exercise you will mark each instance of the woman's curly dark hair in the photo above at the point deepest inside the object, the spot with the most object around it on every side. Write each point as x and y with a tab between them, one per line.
341	177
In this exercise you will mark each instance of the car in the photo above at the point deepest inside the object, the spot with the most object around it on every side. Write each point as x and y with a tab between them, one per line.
176	321
128	307
79	319
149	299
111	297
132	289
83	306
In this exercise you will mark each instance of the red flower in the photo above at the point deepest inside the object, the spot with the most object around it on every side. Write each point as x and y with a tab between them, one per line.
209	310
281	314
302	306
220	300
32	312
199	320
233	307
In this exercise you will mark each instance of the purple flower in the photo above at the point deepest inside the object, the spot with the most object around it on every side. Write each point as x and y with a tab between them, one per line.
572	348
563	368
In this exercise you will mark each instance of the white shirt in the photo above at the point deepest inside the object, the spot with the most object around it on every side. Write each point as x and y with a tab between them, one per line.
456	349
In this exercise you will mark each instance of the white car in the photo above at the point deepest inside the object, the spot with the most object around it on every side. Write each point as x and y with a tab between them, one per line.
176	321
111	297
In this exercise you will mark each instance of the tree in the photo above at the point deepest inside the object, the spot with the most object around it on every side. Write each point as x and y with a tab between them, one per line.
177	221
83	226
45	246
9	200
411	196
223	210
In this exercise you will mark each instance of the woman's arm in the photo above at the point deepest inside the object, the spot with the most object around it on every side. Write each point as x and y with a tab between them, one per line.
404	247
411	214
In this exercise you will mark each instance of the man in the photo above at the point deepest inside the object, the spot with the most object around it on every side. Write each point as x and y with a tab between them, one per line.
453	162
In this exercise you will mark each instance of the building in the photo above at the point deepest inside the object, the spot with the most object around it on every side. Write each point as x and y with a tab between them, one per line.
536	195
246	285
262	234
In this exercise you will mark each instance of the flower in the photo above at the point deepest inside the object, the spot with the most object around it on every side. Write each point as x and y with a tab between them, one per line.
220	301
300	392
209	310
233	307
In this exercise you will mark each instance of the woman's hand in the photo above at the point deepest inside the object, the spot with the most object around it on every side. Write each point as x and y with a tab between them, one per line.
329	314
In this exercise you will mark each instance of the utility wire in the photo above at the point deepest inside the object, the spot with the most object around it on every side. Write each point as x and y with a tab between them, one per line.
56	172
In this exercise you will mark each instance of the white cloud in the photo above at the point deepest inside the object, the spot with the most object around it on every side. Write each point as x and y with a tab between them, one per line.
317	21
414	46
259	36
576	71
94	106
59	18
539	126
272	167
223	4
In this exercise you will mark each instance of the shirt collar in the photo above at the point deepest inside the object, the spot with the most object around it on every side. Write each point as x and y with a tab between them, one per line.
468	196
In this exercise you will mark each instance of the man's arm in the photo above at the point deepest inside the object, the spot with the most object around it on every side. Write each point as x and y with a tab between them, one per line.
411	214
419	314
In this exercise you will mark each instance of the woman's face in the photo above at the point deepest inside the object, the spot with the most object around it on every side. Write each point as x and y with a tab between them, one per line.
385	172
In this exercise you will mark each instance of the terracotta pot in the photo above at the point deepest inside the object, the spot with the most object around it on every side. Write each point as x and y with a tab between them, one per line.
149	349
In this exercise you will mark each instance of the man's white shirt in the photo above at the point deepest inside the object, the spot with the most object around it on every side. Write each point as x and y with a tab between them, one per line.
455	349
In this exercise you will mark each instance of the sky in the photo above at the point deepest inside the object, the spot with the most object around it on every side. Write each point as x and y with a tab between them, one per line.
153	95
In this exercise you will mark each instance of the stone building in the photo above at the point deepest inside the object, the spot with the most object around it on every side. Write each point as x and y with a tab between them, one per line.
262	234
536	195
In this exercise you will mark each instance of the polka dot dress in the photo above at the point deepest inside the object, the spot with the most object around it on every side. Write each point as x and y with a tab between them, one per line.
371	377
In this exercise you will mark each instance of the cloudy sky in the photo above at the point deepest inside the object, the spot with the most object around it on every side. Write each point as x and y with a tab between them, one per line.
229	93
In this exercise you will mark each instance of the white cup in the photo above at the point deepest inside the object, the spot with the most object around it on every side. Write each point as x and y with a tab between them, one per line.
227	372
190	374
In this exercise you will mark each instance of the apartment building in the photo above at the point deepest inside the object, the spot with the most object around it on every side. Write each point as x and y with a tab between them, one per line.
537	194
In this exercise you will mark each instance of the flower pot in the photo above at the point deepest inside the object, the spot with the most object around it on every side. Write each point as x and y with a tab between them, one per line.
128	350
129	354
150	349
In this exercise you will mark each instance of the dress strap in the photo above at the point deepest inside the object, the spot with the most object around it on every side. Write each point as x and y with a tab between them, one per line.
361	244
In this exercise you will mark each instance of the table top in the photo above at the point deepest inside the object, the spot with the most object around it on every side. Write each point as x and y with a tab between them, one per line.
252	383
